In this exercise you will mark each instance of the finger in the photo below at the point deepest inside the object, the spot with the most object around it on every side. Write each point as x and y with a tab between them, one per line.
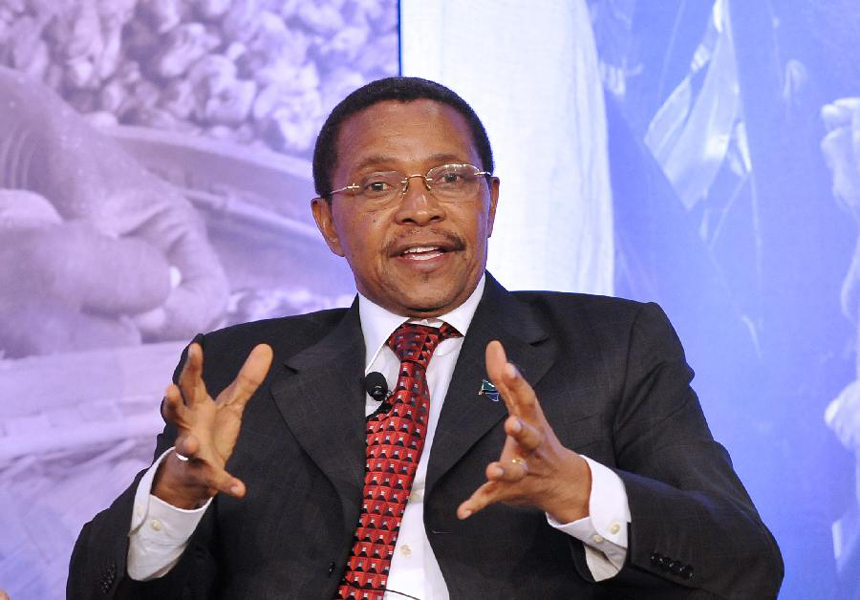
172	407
250	376
527	403
480	499
508	472
515	390
527	437
835	115
191	380
201	472
497	362
850	103
187	445
222	481
832	410
202	475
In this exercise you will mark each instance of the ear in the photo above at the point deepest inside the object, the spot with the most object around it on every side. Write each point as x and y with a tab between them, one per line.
494	198
322	211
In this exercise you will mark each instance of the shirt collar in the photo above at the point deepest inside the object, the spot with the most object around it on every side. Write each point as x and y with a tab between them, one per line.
377	323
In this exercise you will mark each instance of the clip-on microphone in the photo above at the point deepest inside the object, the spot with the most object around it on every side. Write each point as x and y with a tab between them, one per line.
376	386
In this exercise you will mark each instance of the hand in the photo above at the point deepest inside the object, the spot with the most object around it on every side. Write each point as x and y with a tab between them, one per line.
534	468
207	430
66	287
841	148
843	416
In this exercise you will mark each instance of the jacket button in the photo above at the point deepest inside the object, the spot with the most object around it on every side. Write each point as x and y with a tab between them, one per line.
687	572
675	567
107	578
655	559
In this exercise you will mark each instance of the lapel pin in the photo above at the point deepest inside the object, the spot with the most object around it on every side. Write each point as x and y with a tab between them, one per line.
489	390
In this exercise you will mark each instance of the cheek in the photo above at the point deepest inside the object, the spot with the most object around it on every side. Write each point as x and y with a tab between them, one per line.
479	225
361	235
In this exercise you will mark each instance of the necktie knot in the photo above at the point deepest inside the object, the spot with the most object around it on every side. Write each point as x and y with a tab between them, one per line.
416	343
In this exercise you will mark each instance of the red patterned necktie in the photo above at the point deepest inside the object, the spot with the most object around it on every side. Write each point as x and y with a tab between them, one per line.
394	443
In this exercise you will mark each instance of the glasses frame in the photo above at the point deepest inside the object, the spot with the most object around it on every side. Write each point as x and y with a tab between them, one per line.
404	183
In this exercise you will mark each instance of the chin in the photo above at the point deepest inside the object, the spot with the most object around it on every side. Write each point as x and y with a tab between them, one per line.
431	306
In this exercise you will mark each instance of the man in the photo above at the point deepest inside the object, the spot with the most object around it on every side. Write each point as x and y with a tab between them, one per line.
503	502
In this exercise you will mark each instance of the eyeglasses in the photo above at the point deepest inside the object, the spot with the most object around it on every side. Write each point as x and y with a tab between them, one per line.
449	182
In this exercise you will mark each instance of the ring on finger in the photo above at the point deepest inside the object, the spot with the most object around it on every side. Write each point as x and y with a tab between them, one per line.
181	457
519	461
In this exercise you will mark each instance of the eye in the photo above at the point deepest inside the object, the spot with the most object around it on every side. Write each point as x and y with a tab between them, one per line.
378	185
451	178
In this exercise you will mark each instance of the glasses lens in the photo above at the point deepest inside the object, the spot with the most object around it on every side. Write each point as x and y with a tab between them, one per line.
453	180
380	186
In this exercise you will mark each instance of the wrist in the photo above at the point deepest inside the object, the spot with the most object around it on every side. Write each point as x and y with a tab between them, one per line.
171	487
569	496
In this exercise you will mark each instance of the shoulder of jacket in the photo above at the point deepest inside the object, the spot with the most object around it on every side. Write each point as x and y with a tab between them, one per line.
578	300
303	325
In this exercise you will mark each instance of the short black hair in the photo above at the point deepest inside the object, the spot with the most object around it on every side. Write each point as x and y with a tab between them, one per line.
401	89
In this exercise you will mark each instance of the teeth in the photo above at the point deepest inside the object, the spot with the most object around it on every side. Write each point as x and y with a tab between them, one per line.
422	252
424	256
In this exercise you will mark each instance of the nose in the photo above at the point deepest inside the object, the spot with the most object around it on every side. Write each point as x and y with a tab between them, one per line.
418	205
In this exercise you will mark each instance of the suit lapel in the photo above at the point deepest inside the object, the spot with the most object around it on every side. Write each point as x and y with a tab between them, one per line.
466	416
323	405
322	400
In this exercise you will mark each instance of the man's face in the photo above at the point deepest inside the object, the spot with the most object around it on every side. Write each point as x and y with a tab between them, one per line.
380	242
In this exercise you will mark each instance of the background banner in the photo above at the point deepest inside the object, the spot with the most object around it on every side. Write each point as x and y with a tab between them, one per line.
729	132
155	181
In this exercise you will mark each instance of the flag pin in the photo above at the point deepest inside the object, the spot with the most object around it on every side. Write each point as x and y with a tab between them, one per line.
488	390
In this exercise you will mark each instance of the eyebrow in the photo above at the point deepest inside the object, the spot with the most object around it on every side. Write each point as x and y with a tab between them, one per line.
382	159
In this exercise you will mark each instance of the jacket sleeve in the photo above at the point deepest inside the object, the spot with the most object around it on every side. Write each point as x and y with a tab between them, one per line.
97	568
693	526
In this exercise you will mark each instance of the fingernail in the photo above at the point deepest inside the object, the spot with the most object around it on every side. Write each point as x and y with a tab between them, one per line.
518	426
510	370
235	489
467	514
498	471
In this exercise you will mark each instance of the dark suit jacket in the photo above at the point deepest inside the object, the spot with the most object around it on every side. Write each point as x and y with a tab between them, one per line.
612	380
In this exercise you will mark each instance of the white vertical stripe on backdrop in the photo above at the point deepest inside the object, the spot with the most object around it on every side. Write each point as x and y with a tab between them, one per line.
530	71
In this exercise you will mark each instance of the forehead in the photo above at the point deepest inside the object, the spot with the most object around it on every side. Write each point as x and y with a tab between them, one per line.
408	135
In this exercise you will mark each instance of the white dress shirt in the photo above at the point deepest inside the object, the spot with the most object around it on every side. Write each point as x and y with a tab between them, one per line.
160	532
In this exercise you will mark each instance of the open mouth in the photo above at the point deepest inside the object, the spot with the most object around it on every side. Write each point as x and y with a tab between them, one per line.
423	252
427	249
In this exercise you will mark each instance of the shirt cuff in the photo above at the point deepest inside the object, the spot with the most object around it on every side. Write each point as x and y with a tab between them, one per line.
159	531
604	530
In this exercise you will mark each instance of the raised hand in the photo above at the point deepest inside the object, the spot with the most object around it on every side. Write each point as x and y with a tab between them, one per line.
208	429
534	468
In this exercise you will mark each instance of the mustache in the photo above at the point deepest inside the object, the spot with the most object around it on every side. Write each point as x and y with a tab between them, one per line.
456	241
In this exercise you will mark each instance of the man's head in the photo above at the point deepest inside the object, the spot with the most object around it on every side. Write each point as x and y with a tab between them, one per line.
402	89
423	251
